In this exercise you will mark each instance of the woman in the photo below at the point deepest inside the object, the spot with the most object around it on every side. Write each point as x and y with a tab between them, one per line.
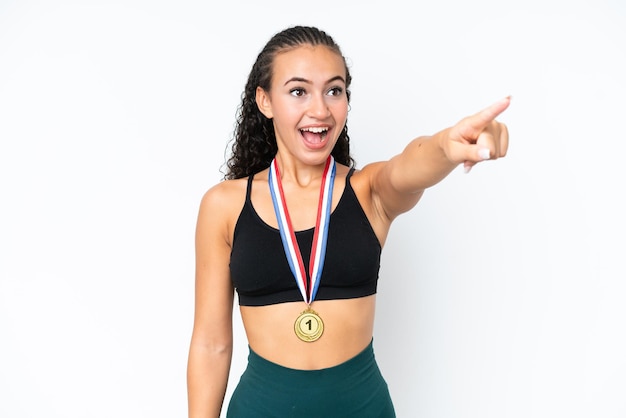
297	232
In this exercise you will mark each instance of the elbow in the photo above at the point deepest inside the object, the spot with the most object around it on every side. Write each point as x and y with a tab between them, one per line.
218	343
218	347
221	348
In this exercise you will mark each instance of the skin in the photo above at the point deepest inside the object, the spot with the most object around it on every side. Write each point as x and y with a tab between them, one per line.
308	90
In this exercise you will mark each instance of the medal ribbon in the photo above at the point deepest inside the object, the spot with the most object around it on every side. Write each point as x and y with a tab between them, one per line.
288	236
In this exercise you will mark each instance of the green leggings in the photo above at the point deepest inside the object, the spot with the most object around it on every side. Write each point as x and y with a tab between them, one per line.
354	388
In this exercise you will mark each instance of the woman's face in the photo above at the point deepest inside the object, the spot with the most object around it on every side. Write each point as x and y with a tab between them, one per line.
307	102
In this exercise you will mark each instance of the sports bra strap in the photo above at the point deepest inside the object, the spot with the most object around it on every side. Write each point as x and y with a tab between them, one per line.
349	174
249	188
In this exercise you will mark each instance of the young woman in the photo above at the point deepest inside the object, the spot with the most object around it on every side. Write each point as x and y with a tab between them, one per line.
296	231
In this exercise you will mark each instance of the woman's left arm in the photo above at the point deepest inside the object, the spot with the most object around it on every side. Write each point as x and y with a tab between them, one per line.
398	184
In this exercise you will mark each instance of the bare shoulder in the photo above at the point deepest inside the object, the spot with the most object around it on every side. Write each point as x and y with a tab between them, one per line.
226	192
366	174
363	182
374	181
363	179
220	206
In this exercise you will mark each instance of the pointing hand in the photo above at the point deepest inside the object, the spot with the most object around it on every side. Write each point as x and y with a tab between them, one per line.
478	137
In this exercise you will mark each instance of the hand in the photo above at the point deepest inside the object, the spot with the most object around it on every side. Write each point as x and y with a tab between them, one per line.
478	137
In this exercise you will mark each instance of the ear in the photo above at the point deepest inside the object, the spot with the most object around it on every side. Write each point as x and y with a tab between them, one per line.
263	102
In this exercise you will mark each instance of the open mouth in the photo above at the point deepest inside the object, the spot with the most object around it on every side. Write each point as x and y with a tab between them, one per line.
314	135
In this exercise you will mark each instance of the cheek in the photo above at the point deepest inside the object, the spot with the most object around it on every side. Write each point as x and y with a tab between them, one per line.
341	113
285	115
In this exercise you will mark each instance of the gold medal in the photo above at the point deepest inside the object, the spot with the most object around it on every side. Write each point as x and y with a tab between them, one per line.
309	326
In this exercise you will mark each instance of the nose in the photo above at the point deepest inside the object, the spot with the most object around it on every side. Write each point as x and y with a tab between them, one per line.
318	107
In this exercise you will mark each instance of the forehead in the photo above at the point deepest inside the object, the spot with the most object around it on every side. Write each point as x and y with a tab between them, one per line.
315	63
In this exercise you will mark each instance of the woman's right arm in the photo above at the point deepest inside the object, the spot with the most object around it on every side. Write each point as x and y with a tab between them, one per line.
210	350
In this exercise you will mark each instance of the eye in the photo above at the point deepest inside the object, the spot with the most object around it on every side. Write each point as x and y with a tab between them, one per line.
335	91
297	92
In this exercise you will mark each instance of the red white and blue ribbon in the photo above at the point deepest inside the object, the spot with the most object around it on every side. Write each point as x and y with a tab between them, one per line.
308	289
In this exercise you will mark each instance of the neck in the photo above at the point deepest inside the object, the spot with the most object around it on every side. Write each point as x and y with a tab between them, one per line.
293	170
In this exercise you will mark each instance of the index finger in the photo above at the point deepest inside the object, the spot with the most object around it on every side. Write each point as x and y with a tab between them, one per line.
485	116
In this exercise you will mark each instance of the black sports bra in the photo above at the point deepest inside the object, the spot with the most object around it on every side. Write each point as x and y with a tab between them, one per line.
260	272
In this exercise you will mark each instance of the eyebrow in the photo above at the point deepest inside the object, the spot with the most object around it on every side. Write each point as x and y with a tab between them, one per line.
304	80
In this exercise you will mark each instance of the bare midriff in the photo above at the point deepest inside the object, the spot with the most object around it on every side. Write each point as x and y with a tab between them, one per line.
348	329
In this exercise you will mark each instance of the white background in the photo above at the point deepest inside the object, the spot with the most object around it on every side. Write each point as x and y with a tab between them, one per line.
502	294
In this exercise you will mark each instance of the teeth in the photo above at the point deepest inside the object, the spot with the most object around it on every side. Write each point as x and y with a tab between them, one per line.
315	130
